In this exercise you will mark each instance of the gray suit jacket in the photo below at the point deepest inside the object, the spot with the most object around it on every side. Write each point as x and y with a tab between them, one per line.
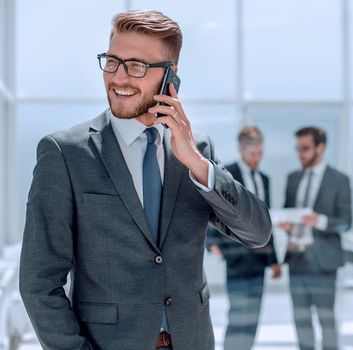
333	200
84	216
242	262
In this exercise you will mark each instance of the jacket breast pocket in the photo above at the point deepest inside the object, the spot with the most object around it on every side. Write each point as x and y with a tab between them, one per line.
97	198
97	312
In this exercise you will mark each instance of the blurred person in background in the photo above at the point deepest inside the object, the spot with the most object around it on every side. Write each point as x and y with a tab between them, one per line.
314	249
245	268
123	204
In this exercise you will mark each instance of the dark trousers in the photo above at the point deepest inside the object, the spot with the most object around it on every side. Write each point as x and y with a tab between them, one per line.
319	290
245	296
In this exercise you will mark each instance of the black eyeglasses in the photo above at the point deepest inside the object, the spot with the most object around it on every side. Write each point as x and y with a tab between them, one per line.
133	68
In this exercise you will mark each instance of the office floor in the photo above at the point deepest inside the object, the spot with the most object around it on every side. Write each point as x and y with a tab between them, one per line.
276	330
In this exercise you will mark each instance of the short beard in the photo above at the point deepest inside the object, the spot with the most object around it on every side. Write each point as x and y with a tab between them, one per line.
312	160
141	109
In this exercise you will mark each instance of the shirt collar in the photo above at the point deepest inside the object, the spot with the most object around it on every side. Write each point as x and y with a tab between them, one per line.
131	129
318	169
244	167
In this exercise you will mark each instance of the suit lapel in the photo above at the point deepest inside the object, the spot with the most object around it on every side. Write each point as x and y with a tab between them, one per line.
109	150
325	183
292	189
172	170
237	174
266	186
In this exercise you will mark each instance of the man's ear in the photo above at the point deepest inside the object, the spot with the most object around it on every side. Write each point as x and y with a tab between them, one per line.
175	68
321	147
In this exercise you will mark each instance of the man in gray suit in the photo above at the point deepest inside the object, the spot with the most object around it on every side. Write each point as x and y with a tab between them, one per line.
245	268
314	247
97	209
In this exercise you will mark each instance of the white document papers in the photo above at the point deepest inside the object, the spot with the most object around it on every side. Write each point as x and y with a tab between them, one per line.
292	215
300	235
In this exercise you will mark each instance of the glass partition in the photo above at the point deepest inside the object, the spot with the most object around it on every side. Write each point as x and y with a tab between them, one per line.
350	37
292	49
208	61
57	47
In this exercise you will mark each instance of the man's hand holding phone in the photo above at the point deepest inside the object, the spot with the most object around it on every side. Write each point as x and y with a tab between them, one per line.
169	77
182	141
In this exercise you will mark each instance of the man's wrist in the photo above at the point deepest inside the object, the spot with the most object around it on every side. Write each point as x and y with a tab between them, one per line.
199	169
210	179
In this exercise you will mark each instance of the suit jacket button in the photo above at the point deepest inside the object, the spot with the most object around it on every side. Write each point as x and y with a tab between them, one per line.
158	260
168	301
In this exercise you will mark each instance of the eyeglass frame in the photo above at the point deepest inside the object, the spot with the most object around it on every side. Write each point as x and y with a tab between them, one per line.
163	64
304	149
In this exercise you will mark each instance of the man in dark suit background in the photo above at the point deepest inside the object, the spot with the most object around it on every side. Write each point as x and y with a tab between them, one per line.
245	268
314	247
123	204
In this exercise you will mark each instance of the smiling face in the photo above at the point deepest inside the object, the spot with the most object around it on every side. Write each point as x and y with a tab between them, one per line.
131	97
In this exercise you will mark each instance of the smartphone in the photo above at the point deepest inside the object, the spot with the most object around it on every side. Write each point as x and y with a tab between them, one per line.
169	77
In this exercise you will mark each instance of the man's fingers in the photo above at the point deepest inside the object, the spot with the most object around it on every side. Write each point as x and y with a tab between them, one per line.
165	110
172	91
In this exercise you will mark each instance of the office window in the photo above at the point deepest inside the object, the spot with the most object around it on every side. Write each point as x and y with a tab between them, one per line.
57	47
208	58
2	40
292	49
220	122
351	48
2	174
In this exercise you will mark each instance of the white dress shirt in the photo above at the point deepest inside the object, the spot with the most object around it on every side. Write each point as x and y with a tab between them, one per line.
318	173
300	234
133	143
248	182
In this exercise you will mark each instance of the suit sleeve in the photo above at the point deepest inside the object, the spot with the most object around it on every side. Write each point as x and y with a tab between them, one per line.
341	221
47	252
236	212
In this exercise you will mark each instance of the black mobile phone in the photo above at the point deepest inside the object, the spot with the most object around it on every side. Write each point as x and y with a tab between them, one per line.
169	77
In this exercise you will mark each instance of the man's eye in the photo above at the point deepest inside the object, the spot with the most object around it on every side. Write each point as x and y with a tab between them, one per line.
135	65
111	61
